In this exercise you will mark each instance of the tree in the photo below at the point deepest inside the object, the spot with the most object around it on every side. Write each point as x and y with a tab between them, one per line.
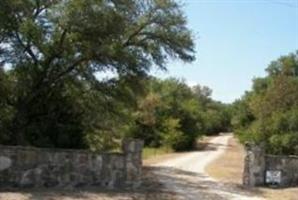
6	110
271	108
203	94
216	115
55	48
169	115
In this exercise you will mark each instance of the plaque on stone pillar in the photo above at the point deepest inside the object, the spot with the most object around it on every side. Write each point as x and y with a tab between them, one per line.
273	177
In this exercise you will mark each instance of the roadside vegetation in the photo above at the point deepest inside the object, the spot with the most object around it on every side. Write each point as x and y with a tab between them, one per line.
268	114
174	115
150	152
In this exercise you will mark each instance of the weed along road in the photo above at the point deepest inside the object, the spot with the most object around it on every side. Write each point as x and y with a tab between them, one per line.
185	175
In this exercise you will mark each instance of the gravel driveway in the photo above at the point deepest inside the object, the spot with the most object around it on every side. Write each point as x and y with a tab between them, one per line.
185	175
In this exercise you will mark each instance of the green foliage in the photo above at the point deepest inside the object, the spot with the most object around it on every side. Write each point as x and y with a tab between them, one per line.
50	95
175	115
173	136
269	112
242	117
168	115
217	118
6	109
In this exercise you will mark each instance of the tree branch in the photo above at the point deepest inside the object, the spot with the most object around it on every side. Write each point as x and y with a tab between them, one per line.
68	70
59	48
27	48
135	33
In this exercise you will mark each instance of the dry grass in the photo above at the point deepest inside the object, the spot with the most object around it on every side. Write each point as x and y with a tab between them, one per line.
160	158
228	168
149	152
155	155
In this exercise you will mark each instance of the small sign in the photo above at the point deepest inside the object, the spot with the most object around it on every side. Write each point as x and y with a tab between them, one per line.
273	177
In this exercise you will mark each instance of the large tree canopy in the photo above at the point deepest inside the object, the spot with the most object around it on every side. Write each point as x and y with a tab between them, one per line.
54	50
59	37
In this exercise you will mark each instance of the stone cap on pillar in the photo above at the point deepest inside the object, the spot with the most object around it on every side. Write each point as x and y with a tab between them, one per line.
130	145
251	146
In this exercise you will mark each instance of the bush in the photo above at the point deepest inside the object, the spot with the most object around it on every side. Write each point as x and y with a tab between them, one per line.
269	113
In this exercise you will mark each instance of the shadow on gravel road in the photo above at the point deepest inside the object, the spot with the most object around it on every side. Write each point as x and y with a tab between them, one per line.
188	185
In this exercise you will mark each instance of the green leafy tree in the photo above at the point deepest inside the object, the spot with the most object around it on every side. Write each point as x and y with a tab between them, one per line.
270	112
169	115
54	50
216	115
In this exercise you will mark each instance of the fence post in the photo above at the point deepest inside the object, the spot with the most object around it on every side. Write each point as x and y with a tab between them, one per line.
132	149
254	165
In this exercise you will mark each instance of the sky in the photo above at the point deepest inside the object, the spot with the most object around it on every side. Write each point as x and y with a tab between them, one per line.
235	41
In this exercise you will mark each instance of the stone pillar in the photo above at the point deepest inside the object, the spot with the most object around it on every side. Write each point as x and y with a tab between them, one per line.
132	149
254	166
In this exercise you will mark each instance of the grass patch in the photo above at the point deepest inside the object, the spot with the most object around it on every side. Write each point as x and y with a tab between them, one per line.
229	166
149	152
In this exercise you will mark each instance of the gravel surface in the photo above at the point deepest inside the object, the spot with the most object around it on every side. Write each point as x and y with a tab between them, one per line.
186	177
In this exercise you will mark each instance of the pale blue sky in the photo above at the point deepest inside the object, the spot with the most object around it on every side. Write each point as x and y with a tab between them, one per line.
235	42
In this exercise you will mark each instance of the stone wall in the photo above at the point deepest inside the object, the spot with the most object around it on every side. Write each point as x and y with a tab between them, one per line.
288	167
261	169
39	167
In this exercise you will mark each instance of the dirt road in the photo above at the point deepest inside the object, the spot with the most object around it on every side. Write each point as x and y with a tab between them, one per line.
185	176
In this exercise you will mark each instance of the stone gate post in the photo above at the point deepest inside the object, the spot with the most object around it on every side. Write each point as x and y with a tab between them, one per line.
132	149
254	165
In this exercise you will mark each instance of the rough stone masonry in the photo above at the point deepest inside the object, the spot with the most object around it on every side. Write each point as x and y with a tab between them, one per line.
274	170
41	167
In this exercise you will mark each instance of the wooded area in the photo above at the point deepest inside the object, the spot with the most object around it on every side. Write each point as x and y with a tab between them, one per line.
51	53
268	113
